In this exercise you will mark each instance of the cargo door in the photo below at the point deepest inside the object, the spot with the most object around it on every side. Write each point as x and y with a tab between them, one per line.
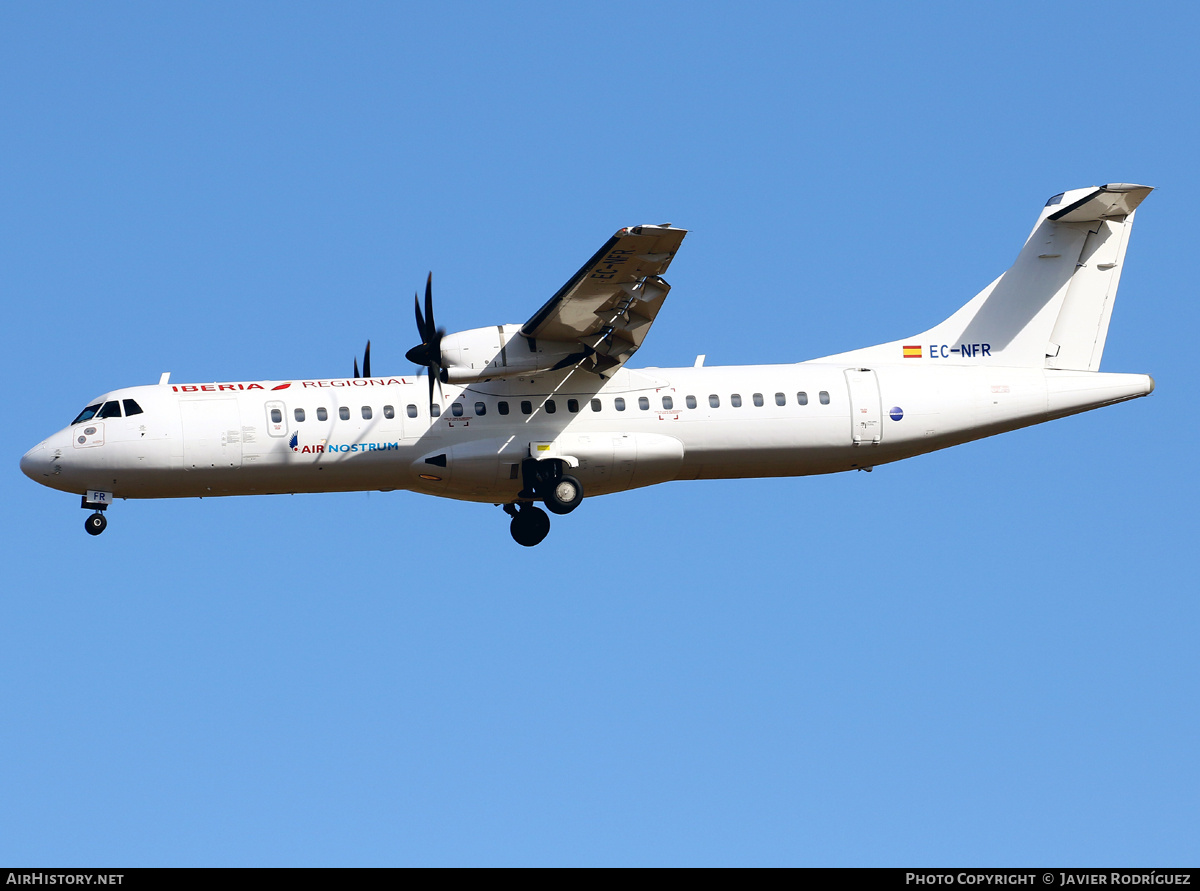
211	434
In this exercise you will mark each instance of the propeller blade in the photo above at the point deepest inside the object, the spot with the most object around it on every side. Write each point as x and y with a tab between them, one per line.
420	321
367	361
356	366
428	353
429	308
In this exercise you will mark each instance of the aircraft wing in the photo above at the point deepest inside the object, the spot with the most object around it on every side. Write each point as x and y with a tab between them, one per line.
609	304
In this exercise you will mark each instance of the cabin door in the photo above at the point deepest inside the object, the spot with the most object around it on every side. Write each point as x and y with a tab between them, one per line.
865	408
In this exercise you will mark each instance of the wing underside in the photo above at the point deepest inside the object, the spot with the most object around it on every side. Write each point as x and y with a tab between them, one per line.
606	308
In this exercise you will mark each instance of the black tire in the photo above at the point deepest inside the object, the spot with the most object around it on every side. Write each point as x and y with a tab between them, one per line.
95	524
563	494
530	526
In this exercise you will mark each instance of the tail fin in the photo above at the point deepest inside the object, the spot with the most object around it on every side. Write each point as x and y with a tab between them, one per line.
1052	307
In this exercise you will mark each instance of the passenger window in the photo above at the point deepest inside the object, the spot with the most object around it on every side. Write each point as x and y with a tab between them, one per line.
668	403
87	414
758	400
344	413
276	416
109	410
456	409
802	398
572	405
434	410
780	399
526	407
595	405
389	412
366	412
714	401
643	403
619	404
322	415
502	407
691	401
480	408
736	400
131	408
551	408
411	411
824	397
299	413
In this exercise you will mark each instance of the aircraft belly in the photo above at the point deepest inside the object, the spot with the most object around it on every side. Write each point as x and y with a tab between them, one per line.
603	462
768	447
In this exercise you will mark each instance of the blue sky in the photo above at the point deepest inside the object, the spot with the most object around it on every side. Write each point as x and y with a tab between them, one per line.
984	656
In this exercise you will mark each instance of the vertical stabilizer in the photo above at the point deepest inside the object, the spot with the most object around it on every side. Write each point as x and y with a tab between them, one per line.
1052	307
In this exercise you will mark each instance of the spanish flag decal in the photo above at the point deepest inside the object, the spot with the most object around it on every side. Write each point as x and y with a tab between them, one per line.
912	352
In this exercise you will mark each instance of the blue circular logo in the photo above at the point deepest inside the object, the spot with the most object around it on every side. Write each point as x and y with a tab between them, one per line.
896	413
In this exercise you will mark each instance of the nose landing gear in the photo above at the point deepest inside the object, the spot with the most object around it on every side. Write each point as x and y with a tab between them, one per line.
95	523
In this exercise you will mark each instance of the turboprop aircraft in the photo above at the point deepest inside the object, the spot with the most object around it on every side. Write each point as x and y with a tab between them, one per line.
547	412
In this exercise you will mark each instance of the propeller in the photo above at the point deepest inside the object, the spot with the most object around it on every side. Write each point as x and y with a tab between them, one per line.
429	352
366	371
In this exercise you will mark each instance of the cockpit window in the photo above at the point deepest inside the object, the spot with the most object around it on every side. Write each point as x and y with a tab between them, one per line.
109	410
131	407
87	414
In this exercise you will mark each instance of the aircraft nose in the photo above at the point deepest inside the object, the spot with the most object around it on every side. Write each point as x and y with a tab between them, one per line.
32	461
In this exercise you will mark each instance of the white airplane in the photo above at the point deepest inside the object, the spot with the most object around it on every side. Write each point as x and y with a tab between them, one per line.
547	411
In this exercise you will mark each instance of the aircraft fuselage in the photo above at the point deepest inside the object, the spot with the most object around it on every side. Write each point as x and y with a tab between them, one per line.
642	427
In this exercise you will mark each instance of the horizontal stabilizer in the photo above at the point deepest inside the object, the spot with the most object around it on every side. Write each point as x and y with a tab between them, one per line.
1116	200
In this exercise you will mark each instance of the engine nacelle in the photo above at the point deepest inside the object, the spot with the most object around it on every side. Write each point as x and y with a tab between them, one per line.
499	351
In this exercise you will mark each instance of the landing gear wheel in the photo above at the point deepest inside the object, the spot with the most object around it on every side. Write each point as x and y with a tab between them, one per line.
529	526
563	494
95	524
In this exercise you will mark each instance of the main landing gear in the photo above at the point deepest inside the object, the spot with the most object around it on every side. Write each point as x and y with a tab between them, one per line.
529	523
547	482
